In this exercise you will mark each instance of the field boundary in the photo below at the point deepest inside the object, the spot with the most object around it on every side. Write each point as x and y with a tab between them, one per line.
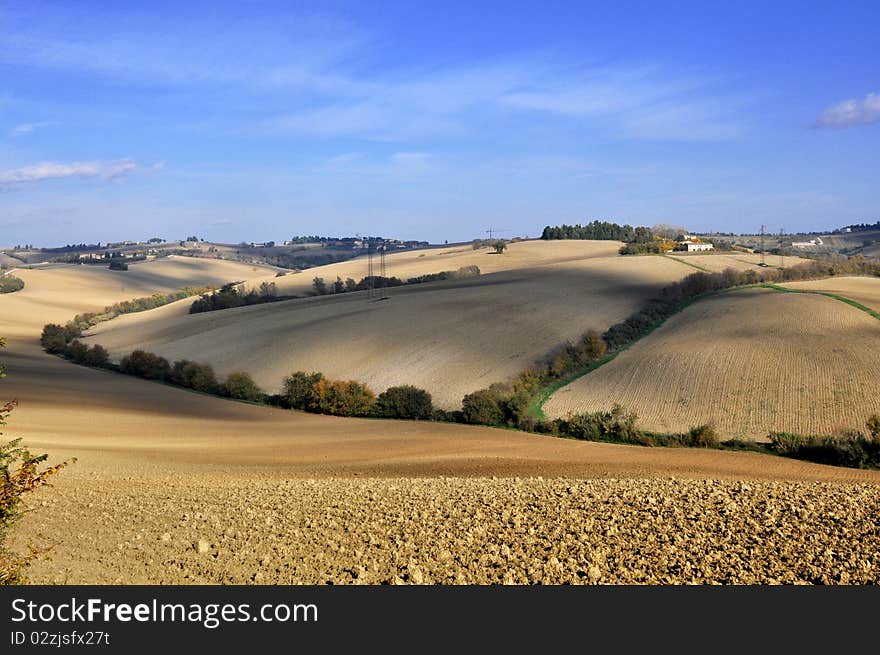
536	408
828	294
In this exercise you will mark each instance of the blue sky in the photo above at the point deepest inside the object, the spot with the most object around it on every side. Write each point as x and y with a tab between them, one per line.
259	120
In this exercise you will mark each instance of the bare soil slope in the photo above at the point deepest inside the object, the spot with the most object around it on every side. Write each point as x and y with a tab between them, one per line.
864	290
750	361
450	338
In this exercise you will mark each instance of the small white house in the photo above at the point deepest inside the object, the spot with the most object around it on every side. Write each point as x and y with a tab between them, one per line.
696	246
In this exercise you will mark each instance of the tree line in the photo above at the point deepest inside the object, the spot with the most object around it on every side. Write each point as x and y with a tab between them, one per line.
320	286
599	230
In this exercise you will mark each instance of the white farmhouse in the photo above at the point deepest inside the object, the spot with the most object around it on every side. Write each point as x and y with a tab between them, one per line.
695	246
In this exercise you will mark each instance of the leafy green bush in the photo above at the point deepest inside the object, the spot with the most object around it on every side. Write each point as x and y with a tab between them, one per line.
145	365
853	449
297	390
614	425
10	283
407	402
193	375
482	407
20	474
241	386
342	398
55	338
701	436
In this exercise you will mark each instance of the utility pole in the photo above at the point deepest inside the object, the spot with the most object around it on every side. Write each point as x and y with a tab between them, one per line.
763	250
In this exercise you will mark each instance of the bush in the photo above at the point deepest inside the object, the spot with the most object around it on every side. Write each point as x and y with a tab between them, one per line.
55	338
145	365
20	474
614	425
701	436
342	398
873	425
406	402
193	375
240	385
481	407
77	351
853	450
118	266
298	390
97	356
10	283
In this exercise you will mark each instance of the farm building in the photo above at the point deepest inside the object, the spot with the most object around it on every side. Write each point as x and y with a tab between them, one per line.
695	246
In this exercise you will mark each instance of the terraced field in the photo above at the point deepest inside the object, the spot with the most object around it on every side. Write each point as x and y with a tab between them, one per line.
750	361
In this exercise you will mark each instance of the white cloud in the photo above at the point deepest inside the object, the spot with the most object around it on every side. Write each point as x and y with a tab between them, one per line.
850	113
28	128
51	170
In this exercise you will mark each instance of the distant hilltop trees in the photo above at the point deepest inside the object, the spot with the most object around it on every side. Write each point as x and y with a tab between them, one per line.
600	230
639	240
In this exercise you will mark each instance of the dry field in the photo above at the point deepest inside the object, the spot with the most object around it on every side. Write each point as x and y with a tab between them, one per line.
740	261
198	528
450	338
864	290
173	486
749	361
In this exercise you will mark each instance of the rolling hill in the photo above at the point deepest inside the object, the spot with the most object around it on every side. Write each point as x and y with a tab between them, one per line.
750	361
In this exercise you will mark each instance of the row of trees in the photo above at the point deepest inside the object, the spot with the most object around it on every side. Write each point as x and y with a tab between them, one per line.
313	392
191	375
321	288
601	230
84	321
229	296
509	404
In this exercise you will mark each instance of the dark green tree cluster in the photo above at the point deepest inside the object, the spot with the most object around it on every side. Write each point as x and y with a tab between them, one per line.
321	288
598	230
229	296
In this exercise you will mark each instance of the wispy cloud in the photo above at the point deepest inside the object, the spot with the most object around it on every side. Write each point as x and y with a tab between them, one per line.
52	170
28	128
851	113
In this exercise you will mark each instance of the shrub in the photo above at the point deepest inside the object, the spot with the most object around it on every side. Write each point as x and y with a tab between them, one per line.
499	246
405	402
342	398
852	450
55	338
145	365
298	389
118	266
873	425
240	385
193	375
701	436
10	283
20	474
616	425
77	351
97	356
481	407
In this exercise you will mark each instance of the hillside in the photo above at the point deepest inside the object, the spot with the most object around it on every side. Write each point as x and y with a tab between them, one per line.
864	290
449	338
750	361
